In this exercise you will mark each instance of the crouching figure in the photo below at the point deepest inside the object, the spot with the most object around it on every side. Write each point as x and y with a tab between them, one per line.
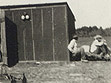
75	50
99	48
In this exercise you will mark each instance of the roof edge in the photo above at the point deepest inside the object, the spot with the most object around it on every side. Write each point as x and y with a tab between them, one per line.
32	5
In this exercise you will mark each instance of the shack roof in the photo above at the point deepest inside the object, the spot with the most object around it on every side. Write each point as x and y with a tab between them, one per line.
31	5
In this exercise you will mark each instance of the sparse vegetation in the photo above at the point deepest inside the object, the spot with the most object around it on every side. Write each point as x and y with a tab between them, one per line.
92	31
89	40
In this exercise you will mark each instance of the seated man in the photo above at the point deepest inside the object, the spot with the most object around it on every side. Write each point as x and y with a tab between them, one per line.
74	50
100	47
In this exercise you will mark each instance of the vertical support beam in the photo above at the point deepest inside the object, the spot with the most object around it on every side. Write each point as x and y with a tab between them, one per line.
67	37
24	41
42	34
53	34
33	35
42	22
3	37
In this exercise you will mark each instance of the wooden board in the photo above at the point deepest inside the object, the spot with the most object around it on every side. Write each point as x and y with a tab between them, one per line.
47	34
60	40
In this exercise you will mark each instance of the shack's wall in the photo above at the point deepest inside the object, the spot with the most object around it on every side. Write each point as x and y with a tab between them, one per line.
71	23
43	38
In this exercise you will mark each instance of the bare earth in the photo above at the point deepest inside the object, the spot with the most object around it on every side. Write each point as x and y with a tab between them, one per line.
62	72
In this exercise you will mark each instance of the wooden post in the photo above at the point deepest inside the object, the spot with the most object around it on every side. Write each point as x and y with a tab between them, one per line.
3	38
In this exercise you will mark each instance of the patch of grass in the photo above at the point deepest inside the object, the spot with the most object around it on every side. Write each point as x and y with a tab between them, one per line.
77	72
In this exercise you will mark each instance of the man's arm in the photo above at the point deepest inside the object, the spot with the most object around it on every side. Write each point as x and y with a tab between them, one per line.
71	46
97	43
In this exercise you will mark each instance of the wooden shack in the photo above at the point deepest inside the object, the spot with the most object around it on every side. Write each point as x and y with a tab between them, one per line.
37	32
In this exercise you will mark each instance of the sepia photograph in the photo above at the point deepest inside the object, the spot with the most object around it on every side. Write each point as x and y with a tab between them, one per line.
55	41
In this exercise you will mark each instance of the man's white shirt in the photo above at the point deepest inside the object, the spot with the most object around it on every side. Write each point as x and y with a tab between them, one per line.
97	43
72	46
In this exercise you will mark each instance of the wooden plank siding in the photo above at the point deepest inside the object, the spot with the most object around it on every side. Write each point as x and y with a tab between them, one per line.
37	34
60	34
42	38
47	34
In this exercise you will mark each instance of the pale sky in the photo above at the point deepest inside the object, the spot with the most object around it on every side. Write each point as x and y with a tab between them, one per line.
87	12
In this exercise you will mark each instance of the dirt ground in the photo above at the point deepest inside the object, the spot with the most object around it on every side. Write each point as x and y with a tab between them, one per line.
63	72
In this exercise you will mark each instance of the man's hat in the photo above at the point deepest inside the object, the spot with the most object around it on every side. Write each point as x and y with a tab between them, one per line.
75	36
98	36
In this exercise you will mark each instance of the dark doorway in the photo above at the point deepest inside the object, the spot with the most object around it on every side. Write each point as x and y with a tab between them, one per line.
12	45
